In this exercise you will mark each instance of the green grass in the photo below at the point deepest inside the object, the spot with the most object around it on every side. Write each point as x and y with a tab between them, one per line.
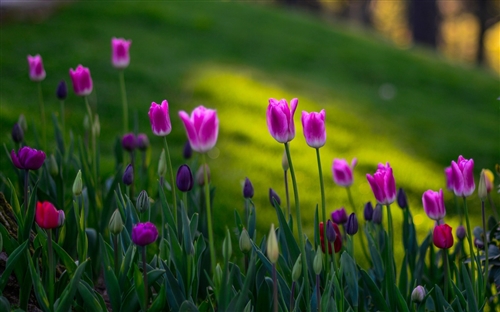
233	57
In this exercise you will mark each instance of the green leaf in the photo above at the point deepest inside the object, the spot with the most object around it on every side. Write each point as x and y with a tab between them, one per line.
188	306
286	233
66	259
400	301
186	231
39	289
126	266
139	286
131	302
4	304
160	301
378	265
12	261
378	298
91	303
469	291
64	302
348	266
110	279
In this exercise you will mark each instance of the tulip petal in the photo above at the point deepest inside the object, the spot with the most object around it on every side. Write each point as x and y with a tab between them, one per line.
468	176
15	160
457	179
190	130
209	130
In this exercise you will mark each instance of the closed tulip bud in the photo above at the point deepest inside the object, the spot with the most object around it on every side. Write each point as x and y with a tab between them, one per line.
162	164
479	244
128	175
342	172
129	142
78	184
37	72
442	236
142	141
273	197
144	233
352	224
297	269
82	81
383	184
339	216
462	174
247	189
272	249
279	117
245	242
116	223
368	211
120	57
402	199
227	248
330	232
47	216
62	90
418	294
337	242
52	164
377	214
218	276
187	152
481	188
284	162
318	261
184	179
96	129
142	203
17	133
200	174
461	233
489	179
313	125
433	203
23	123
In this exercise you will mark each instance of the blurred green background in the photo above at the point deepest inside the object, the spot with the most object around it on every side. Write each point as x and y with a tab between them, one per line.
410	107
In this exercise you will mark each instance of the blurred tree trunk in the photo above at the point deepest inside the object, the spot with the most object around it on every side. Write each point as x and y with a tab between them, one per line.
424	21
312	5
482	14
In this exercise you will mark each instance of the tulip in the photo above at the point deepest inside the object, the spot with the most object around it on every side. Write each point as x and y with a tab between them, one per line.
489	179
116	223
383	184
402	199
352	224
120	57
297	269
318	262
37	73
462	176
17	133
272	249
62	90
23	123
52	166
339	216
279	118
331	235
187	152
377	214
273	197
202	128
184	178
129	142
160	118
142	203
481	188
442	236
82	82
337	244
245	242
342	172
128	175
78	184
368	211
27	158
461	233
313	125
47	216
144	233
418	294
248	189
142	141
433	203
449	182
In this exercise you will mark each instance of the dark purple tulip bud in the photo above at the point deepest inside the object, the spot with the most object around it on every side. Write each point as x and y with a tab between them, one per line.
368	212
273	196
62	90
461	232
352	224
129	142
248	189
144	233
330	232
479	244
377	214
188	151
184	178
17	133
27	158
402	199
339	216
142	141
128	175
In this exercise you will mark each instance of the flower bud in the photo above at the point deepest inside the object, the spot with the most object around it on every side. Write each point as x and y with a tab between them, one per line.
479	244
128	175
218	276
142	141
142	203
339	216
17	133
129	142
481	189
23	123
418	294
116	223
162	164
273	196
78	184
184	178
272	250
442	236
245	241
62	90
247	189
187	152
227	248
52	164
284	162
352	224
402	199
330	232
368	211
377	214
318	261
297	269
200	174
461	233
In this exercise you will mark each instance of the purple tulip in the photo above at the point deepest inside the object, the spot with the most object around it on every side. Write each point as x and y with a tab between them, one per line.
129	142
462	176
202	128
449	182
187	152
160	118
27	158
128	175
273	197
17	133
352	224
339	216
377	214
433	203
368	211
37	73
402	199
120	57
342	172
62	90
82	82
142	141
442	236
144	233
383	184
331	235
184	179
313	125
461	233
279	118
248	189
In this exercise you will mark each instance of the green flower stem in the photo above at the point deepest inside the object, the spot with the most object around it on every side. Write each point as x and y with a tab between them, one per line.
390	260
391	232
26	186
471	247
299	226
42	113
116	249
92	134
51	270
323	202
292	297
361	240
63	122
124	101
275	289
209	215
172	180
318	293
145	273
485	239
287	193
446	274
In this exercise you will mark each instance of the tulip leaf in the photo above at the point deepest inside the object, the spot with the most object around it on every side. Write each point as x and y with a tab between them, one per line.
126	266
469	291
378	265
64	302
139	286
174	295
167	212
400	301
317	240
287	234
16	207
110	279
188	306
160	301
29	217
193	224
186	230
131	301
40	293
348	266
378	298
12	261
108	201
90	300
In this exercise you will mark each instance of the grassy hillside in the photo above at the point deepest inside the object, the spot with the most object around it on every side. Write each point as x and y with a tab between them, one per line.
408	107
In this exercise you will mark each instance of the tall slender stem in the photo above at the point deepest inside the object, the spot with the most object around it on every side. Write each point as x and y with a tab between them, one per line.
391	231
26	186
51	269
363	246
292	296
42	113
92	134
446	273
124	101
145	272
287	193
115	243
275	289
323	202
471	247
209	214
63	122
318	294
299	227
172	180
485	239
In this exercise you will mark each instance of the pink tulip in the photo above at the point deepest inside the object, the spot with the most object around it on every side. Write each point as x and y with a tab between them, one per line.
27	158
442	236
313	125
342	171
120	56
279	118
37	73
449	182
160	118
383	184
433	203
82	82
47	216
202	128
462	176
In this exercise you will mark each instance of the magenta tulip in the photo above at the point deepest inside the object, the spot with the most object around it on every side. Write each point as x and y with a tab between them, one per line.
433	203
462	176
279	118
160	118
47	216
339	216
313	125
82	82
442	236
202	128
120	56
342	171
144	233
27	158
383	184
37	72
